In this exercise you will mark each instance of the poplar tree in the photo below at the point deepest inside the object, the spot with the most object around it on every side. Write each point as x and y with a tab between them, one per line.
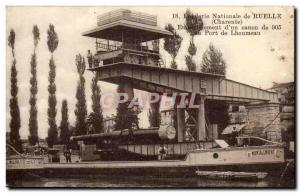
213	62
64	124
193	25
81	109
15	122
172	44
95	118
33	123
52	43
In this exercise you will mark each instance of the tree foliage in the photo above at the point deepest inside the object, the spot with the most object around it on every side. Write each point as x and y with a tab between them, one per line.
15	122
172	44
213	62
193	25
52	131
11	41
192	50
126	118
52	43
81	108
36	36
64	124
33	123
95	118
190	63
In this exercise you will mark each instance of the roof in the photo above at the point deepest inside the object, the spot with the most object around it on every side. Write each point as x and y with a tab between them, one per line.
126	14
113	31
281	85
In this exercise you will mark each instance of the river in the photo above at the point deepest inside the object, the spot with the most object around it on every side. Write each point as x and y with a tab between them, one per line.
141	182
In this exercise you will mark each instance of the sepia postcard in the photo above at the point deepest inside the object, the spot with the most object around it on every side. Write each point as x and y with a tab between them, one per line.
150	97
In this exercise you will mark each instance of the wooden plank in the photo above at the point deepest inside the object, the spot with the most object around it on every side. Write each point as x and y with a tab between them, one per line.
180	81
184	148
136	73
216	86
229	89
146	75
209	86
188	83
164	80
223	87
196	84
248	92
113	72
243	90
236	90
155	77
172	80
144	149
151	150
126	72
177	148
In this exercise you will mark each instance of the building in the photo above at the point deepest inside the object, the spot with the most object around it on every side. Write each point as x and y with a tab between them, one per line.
286	92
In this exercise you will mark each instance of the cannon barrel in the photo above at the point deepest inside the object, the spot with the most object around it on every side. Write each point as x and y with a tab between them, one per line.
163	132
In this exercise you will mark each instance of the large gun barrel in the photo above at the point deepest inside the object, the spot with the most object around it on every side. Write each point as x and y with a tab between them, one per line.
166	132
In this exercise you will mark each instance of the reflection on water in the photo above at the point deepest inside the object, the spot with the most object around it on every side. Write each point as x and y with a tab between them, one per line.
114	182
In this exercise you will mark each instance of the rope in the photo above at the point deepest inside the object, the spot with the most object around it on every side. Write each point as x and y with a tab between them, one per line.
254	137
272	121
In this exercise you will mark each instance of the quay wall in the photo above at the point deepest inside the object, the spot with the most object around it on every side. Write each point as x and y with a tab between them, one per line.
264	121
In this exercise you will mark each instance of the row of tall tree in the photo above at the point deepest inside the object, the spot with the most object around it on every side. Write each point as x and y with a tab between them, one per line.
212	62
15	122
94	120
92	123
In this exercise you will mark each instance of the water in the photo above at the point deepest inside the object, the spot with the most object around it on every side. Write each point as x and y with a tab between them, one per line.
142	182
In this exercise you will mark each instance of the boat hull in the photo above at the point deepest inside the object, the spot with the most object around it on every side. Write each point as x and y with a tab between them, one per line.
251	159
273	169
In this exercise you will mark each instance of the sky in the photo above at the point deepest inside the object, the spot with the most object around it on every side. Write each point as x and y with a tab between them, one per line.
257	61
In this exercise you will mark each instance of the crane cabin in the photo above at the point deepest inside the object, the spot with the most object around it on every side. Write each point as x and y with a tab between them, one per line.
125	36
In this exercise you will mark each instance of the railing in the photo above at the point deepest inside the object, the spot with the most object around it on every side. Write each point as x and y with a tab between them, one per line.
106	47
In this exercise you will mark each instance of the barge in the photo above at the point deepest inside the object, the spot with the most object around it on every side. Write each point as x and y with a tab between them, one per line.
268	159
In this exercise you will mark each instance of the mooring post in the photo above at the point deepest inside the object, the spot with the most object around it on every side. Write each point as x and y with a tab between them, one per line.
201	132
